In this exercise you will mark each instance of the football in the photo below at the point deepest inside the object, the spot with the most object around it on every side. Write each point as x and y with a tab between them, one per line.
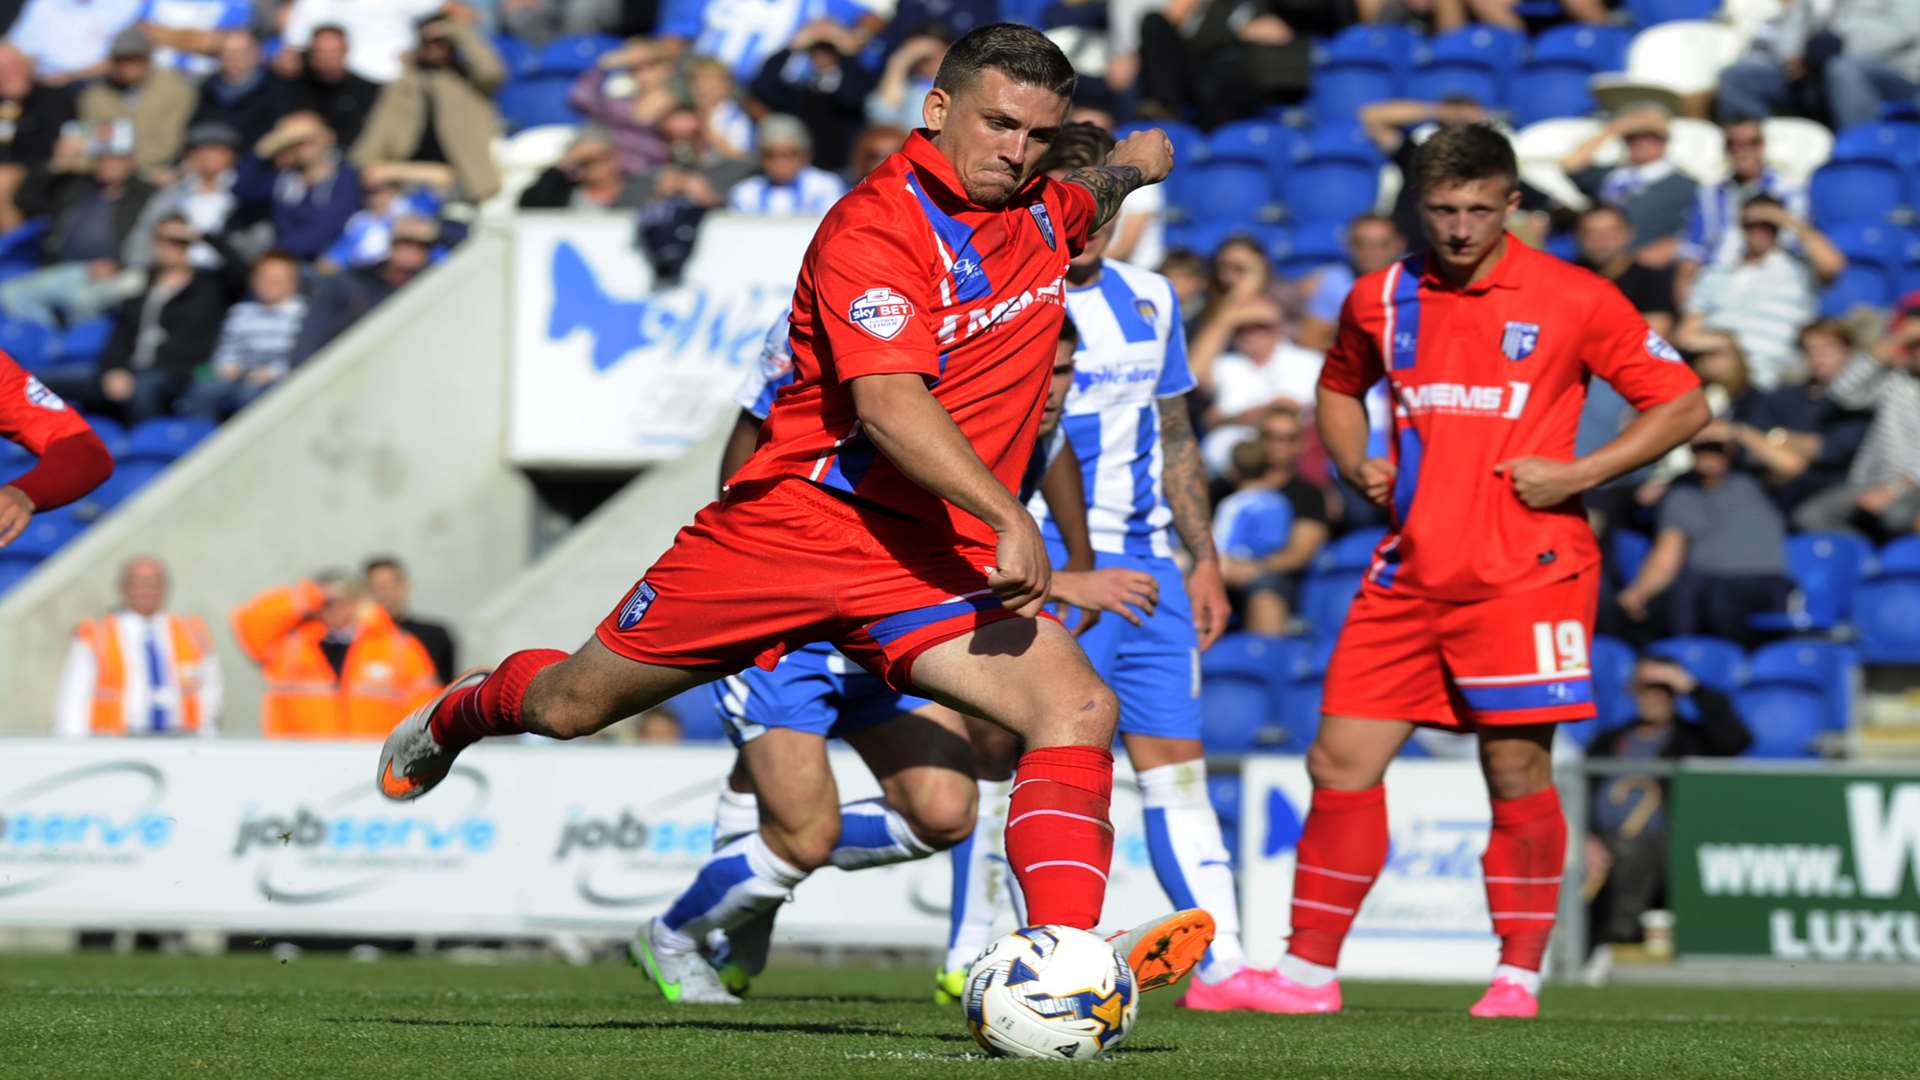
1050	992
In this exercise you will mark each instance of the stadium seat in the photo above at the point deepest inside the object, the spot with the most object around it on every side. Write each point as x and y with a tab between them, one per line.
1879	245
1329	191
1340	91
83	341
1189	145
1684	57
1611	661
1352	553
1496	49
1797	146
1306	247
1829	667
1324	600
537	101
1387	46
44	535
14	458
1300	709
1239	682
1784	718
1843	192
1826	569
515	55
166	439
13	571
1457	79
1341	142
1891	143
1261	141
1545	91
1540	145
1592	49
29	343
1697	148
20	245
536	148
569	56
1626	550
1202	238
1886	613
1655	12
1232	191
1716	662
1900	558
100	501
700	720
1857	286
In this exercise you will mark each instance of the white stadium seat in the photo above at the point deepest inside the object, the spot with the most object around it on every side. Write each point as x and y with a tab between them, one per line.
1796	147
1681	58
535	148
1542	144
1698	149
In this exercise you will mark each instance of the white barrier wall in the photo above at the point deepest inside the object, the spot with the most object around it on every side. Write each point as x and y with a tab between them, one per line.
520	839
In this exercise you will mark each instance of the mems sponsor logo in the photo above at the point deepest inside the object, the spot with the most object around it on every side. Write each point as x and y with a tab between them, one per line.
957	327
1459	399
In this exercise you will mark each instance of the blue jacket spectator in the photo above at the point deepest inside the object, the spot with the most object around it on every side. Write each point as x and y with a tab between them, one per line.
1272	527
312	191
240	93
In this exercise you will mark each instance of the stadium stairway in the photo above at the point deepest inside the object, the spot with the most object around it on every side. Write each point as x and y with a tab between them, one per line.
390	441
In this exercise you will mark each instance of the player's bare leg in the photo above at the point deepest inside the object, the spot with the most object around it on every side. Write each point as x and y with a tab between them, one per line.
543	691
1030	677
980	875
1343	846
1526	853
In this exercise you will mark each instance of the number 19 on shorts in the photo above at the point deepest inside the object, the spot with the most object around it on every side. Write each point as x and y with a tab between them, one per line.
1560	646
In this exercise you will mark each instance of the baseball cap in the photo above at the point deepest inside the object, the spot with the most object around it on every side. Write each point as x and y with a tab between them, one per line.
131	42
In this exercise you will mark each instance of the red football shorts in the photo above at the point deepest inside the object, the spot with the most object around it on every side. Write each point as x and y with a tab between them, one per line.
1519	659
774	566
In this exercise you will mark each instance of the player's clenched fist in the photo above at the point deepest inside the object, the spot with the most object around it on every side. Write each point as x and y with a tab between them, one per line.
1541	482
1374	479
15	511
1149	151
1022	573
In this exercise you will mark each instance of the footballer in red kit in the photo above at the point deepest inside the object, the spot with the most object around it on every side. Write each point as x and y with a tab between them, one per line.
73	460
878	512
1476	610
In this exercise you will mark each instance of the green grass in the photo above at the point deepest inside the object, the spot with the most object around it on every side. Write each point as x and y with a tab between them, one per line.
250	1016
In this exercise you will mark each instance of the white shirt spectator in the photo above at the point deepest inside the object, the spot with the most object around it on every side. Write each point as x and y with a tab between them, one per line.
1763	304
260	337
1239	383
195	15
67	35
1713	235
378	31
1148	202
743	33
813	191
150	706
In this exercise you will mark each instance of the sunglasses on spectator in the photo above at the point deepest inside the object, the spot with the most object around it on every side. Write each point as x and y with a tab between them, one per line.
1750	226
1750	140
175	238
1647	134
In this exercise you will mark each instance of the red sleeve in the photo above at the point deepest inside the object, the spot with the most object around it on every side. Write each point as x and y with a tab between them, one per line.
31	414
874	313
71	466
1622	349
1353	364
1076	215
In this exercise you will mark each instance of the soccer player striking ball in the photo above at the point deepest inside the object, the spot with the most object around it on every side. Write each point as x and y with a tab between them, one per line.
781	719
878	512
1128	423
73	460
1476	611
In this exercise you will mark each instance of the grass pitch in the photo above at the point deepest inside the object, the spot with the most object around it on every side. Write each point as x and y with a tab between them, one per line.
251	1016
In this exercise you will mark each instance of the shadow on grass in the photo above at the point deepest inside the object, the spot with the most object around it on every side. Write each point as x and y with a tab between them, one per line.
688	1024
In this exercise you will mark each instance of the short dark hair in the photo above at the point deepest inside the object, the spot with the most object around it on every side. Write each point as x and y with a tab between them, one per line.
1077	146
328	28
1601	209
1762	200
1183	261
1373	217
1022	53
383	562
1463	154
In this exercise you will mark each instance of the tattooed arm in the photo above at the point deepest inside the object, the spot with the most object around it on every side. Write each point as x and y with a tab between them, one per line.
1184	477
1145	157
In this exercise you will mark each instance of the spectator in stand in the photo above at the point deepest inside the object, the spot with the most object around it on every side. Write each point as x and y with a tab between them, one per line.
743	33
1504	13
157	101
1844	59
788	182
1604	242
1627	838
1718	557
434	125
381	33
1188	274
1798	437
1654	194
1373	241
1219	61
1265	370
310	191
95	201
336	666
629	91
875	145
1240	274
1882	492
695	172
587	177
340	300
160	336
1714	238
31	117
320	82
711	91
537	22
203	195
392	589
1770	293
69	39
1271	528
255	350
905	80
241	93
188	34
369	233
140	670
817	80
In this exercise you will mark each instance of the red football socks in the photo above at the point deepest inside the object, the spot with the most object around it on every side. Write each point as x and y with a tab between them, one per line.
1059	841
493	707
1525	856
1342	848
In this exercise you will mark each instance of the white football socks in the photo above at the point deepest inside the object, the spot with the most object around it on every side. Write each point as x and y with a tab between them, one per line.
735	814
1527	980
737	882
1305	972
1190	858
874	834
979	877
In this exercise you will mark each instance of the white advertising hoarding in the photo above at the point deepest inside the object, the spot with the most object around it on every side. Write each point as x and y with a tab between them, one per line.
520	839
612	370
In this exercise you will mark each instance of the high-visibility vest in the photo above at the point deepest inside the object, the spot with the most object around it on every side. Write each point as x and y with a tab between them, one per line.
386	675
191	649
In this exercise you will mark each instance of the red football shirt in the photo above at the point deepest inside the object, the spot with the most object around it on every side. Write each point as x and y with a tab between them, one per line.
31	414
1478	376
906	274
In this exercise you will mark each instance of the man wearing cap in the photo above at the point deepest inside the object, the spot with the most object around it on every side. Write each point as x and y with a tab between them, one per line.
159	101
203	194
787	182
1654	194
95	200
310	190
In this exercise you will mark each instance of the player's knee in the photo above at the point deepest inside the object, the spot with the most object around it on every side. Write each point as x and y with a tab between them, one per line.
1082	715
1329	767
944	816
807	845
1516	771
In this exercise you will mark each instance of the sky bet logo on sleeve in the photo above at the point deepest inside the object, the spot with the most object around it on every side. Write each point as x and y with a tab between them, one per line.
636	606
881	312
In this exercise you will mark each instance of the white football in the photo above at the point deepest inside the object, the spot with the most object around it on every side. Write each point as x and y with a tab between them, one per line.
1050	992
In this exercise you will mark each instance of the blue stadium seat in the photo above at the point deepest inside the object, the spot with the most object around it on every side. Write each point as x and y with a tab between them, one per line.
1300	709
1654	12
536	102
1892	144
1886	612
1189	144
1859	285
1325	598
1900	558
1231	190
1352	553
1340	91
20	246
1611	661
1329	191
1626	550
1825	666
1387	46
1826	569
1339	142
1306	247
1855	191
135	475
1495	49
1224	792
44	535
1549	91
1202	238
516	55
1593	49
166	439
111	433
13	570
83	341
1875	243
100	501
1784	718
569	56
14	458
1239	684
29	343
1456	79
1265	142
1716	662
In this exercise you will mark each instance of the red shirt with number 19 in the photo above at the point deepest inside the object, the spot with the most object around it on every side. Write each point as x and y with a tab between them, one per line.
908	275
1479	376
